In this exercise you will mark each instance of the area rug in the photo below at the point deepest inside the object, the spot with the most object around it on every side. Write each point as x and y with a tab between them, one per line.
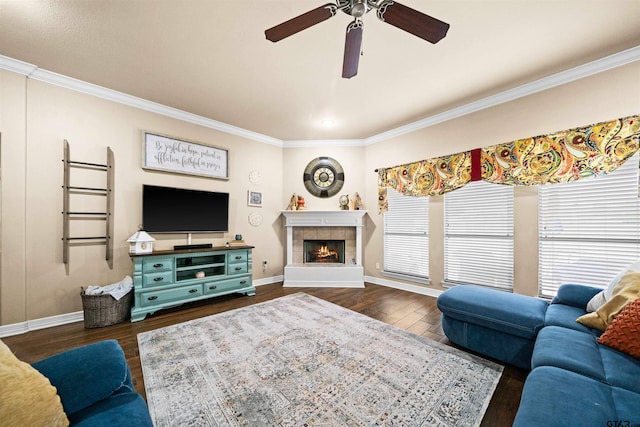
302	361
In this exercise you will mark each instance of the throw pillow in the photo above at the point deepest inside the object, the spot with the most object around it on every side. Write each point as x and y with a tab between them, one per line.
626	290
28	398
605	295
623	333
596	302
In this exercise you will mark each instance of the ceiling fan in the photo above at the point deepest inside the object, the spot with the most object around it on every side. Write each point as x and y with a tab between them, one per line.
410	20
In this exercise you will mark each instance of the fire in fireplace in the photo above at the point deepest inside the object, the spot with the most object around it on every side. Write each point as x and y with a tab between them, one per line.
324	251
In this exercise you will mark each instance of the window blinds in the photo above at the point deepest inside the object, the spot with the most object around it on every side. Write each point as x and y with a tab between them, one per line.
406	237
588	230
479	235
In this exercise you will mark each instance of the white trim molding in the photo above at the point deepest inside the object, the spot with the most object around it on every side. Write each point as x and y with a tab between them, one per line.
594	67
36	73
416	289
324	143
78	316
268	280
43	323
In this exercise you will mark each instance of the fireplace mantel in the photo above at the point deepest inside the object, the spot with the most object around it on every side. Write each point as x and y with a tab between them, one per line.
330	275
323	218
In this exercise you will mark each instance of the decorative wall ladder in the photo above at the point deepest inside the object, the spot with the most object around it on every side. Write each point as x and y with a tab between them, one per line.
107	215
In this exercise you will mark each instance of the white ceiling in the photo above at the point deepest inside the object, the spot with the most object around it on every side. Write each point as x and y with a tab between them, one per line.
211	58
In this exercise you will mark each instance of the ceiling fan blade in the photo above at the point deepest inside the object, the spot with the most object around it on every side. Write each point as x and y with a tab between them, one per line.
301	22
410	20
352	44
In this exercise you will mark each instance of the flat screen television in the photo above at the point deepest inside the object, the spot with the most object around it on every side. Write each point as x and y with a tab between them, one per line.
178	210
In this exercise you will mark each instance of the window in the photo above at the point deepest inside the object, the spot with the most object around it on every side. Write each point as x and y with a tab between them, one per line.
588	230
406	237
478	246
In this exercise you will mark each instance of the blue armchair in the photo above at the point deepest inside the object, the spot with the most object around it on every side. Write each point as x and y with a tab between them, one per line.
95	386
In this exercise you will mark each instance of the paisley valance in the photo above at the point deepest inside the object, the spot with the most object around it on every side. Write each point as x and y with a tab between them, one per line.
425	178
558	157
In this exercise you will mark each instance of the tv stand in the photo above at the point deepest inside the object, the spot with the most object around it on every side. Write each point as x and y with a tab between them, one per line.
196	246
164	279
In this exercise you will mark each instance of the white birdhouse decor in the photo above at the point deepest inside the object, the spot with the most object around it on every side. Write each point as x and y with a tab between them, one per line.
140	243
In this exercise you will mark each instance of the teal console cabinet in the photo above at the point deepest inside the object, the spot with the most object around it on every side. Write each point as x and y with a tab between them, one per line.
164	279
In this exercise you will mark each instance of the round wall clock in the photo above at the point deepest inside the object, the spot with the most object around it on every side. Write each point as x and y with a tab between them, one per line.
323	177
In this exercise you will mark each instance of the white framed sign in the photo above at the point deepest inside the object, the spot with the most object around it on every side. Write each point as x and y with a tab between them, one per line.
168	154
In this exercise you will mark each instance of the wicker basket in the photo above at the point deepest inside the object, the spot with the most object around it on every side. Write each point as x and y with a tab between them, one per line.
105	310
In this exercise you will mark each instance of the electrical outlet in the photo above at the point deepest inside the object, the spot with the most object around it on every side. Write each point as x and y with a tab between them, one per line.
377	266
264	265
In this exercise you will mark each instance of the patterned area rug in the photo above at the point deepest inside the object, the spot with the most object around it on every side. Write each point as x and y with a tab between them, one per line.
302	361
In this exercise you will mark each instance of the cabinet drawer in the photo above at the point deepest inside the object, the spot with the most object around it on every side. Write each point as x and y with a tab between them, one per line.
157	279
226	285
180	294
237	269
237	257
157	264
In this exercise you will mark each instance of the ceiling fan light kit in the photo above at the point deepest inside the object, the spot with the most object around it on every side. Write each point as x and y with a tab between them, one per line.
410	20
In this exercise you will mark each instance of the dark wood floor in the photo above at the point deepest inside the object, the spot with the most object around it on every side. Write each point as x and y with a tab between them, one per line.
413	312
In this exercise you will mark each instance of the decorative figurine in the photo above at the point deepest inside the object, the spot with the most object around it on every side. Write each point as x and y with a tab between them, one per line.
140	243
293	204
358	202
301	202
344	202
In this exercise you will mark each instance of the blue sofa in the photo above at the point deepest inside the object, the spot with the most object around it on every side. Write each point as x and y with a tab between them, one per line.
95	386
574	380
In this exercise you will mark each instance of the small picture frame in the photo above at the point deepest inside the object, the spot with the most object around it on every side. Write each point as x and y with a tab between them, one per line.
254	198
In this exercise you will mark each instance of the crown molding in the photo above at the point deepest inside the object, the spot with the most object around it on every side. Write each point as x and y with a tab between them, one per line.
35	73
598	66
307	143
15	66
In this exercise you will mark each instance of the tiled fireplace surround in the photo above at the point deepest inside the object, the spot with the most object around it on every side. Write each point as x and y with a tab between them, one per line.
348	234
320	225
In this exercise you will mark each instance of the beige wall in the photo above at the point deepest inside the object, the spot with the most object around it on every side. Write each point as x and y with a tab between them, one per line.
12	197
608	95
351	159
36	117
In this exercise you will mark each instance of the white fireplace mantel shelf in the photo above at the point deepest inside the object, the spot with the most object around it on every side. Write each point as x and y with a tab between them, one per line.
308	275
306	218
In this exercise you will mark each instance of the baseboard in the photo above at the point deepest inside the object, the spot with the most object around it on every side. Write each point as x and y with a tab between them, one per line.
422	290
78	316
43	323
268	280
328	284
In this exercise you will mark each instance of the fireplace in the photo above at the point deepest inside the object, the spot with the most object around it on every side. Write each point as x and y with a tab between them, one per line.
324	228
324	251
